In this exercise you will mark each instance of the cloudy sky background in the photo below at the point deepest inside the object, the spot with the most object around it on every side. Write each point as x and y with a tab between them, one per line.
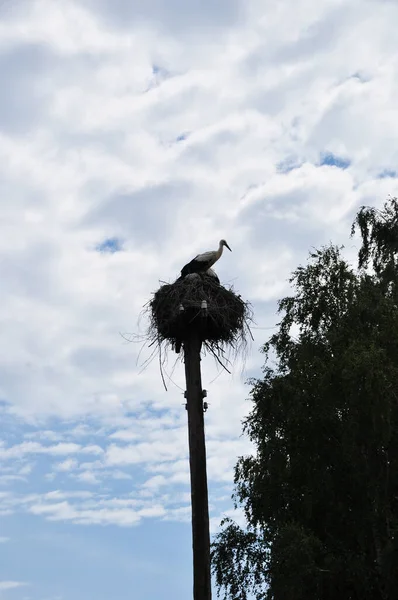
132	136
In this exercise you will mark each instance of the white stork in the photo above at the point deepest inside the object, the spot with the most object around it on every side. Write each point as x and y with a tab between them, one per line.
203	262
213	274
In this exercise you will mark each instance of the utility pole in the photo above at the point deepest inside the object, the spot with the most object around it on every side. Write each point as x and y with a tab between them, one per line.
197	462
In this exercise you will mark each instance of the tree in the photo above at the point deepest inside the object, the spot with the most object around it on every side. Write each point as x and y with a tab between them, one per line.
320	494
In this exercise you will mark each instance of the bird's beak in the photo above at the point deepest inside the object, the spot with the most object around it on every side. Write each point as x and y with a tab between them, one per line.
228	247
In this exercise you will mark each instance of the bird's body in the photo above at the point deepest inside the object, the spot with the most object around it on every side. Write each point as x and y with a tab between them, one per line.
213	274
202	262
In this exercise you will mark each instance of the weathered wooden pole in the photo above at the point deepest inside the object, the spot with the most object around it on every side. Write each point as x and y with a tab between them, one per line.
197	463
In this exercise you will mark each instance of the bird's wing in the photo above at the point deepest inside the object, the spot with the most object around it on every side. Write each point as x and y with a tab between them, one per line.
205	257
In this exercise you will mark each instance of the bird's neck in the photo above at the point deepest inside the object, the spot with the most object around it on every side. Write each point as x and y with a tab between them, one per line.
219	251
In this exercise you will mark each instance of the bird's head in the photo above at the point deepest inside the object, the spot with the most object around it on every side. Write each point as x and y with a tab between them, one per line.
224	243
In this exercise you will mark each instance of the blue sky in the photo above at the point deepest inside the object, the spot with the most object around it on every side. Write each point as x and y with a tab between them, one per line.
134	135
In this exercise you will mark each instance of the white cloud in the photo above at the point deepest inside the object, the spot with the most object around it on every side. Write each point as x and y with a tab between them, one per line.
94	508
20	450
88	477
96	514
145	452
67	465
119	475
3	539
71	30
124	435
155	482
52	436
58	495
10	585
153	511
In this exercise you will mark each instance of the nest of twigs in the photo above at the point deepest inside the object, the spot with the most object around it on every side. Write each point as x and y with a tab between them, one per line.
199	304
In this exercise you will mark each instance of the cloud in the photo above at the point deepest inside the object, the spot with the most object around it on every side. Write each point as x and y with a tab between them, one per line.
10	585
155	482
88	477
125	435
67	465
120	512
130	166
143	452
177	17
20	450
119	475
22	103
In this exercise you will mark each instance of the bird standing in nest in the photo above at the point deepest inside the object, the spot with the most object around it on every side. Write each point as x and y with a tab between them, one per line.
202	262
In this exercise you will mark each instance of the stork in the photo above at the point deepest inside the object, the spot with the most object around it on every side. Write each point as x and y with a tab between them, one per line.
203	262
213	274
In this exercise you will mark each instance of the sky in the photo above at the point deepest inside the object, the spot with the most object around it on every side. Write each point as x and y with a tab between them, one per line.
134	135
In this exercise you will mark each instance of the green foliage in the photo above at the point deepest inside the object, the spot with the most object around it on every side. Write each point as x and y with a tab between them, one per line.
239	561
379	232
320	495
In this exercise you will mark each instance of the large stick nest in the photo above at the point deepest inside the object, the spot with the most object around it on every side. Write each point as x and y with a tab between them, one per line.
199	304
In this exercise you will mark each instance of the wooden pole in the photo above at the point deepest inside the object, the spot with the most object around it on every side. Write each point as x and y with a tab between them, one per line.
197	463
